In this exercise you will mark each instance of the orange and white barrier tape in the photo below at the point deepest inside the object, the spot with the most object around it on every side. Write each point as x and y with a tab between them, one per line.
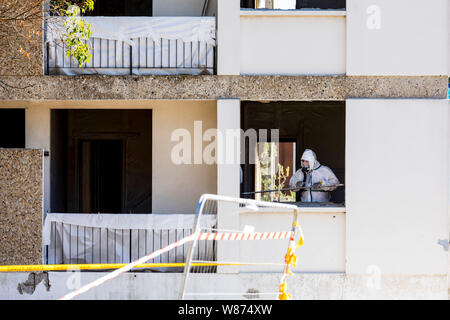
226	236
219	236
290	259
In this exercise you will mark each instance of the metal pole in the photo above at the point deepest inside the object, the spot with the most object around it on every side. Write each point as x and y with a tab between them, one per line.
131	60
47	71
205	7
191	247
199	211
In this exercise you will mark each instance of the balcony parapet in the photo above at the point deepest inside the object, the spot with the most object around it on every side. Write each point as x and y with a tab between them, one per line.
137	46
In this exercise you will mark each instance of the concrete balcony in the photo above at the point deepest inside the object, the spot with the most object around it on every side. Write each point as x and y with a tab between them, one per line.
137	46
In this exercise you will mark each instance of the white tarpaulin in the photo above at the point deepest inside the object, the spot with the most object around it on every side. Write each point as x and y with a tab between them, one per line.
120	238
138	45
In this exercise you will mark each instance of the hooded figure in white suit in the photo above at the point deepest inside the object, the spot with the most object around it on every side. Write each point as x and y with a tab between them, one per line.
313	174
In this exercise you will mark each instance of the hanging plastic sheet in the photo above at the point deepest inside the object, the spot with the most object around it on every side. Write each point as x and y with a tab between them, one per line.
138	46
119	238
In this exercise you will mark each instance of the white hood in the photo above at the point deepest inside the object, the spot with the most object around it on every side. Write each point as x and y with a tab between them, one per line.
310	156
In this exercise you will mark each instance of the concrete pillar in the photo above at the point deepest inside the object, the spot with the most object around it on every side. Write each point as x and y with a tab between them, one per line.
37	136
228	177
228	37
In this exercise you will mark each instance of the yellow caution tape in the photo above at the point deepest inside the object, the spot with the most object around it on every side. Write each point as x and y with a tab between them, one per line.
283	294
65	267
290	258
300	242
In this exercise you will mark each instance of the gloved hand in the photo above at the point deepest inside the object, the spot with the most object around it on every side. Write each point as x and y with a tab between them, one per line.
323	186
317	185
299	184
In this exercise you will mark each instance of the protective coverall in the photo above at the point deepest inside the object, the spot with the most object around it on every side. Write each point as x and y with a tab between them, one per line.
316	175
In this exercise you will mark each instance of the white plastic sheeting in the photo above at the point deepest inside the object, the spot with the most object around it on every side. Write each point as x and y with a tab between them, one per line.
138	45
120	238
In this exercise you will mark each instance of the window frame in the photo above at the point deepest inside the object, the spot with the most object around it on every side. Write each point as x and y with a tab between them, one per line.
295	156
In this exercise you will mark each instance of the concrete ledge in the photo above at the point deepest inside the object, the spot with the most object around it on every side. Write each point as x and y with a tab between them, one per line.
303	210
293	13
163	286
259	88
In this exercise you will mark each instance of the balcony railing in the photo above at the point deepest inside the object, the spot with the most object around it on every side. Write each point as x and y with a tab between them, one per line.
148	46
122	238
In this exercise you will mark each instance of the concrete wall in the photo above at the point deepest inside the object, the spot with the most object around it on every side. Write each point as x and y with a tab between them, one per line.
397	184
163	286
448	40
324	232
303	44
228	32
177	188
173	187
20	206
21	41
397	37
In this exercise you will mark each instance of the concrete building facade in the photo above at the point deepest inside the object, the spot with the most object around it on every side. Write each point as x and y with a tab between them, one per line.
368	83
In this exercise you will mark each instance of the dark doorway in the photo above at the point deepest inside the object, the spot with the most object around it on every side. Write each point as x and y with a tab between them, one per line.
101	161
12	128
101	173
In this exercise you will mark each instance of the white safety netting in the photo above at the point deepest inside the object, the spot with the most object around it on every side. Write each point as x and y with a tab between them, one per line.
118	238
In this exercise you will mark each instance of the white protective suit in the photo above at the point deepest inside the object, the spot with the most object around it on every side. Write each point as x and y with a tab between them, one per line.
315	174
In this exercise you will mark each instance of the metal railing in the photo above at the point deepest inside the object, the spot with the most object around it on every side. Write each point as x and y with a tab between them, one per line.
146	57
209	204
73	244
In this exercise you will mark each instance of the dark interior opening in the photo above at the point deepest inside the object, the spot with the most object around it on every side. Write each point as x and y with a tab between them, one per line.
127	8
320	4
248	4
101	172
101	161
319	126
12	128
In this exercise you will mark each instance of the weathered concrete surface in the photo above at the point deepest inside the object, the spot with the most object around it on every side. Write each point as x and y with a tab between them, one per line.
162	286
30	285
21	206
21	39
220	87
